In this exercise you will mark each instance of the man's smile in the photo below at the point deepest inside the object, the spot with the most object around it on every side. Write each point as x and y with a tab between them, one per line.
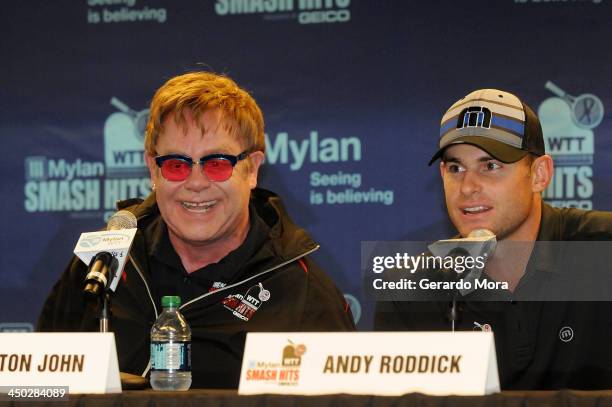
198	207
475	209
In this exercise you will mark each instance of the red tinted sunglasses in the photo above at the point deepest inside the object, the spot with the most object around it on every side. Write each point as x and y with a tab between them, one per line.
216	167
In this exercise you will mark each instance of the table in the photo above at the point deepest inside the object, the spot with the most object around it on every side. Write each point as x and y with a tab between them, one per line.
221	398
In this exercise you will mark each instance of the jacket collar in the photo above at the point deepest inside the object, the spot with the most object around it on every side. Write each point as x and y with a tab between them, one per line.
549	224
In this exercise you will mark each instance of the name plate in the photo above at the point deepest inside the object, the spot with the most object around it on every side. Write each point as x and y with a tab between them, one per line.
85	362
377	363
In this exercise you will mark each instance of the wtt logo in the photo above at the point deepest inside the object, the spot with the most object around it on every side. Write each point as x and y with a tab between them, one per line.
568	122
124	141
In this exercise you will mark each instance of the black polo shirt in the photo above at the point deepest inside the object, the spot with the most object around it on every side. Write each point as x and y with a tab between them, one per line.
169	277
540	344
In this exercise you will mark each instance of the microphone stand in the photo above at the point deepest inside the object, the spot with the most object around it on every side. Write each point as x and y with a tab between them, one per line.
454	312
471	276
102	268
487	242
105	312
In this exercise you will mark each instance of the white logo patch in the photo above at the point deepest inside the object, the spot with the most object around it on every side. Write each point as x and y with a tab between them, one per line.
566	334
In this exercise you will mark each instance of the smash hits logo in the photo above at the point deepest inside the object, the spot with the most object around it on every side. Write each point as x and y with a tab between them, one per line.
244	306
304	11
89	188
286	373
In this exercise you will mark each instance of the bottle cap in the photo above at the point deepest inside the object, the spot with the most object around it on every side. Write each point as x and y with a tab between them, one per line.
171	301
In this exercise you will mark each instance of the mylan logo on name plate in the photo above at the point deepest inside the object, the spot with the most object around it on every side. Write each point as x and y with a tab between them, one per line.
286	373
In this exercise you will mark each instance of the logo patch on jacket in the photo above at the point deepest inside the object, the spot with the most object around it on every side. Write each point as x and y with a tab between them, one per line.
216	285
245	305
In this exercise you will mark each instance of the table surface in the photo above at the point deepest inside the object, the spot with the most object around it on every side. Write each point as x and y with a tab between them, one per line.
218	398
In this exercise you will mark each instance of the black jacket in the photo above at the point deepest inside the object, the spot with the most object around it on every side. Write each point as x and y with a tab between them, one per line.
302	298
535	348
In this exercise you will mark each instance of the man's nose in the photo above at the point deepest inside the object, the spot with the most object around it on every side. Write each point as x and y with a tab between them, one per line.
471	183
197	179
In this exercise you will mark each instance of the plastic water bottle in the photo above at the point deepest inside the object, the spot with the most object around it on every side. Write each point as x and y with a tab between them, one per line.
171	348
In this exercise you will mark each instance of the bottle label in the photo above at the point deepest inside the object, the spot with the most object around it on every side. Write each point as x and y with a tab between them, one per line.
171	356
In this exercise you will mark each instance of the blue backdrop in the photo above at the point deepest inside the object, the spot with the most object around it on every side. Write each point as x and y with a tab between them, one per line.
352	93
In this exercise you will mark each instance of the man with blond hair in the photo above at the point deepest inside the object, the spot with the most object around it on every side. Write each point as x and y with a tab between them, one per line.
207	234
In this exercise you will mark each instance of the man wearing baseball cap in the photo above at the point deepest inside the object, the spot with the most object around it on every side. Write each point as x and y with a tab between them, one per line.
494	169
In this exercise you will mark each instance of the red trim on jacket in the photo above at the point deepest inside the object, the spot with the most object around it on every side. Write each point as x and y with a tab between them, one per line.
302	264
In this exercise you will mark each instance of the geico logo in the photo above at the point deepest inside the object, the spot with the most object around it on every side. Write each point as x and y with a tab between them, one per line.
569	203
331	16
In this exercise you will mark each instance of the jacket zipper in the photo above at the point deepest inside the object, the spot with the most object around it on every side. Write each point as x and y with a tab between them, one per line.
139	271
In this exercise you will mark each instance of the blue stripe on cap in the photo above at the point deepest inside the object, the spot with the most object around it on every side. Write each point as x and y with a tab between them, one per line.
450	124
508	124
502	123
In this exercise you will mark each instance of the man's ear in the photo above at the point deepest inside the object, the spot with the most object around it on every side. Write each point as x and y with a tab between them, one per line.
152	166
542	170
256	158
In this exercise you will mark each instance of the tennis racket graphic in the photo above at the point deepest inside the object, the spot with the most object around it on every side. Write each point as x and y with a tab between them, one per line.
587	109
140	118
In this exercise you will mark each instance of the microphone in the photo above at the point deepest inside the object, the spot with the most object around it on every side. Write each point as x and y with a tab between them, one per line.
102	265
481	233
122	220
480	243
488	243
106	251
487	237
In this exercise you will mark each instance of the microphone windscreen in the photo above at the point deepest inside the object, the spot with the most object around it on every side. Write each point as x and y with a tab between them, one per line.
481	233
122	220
